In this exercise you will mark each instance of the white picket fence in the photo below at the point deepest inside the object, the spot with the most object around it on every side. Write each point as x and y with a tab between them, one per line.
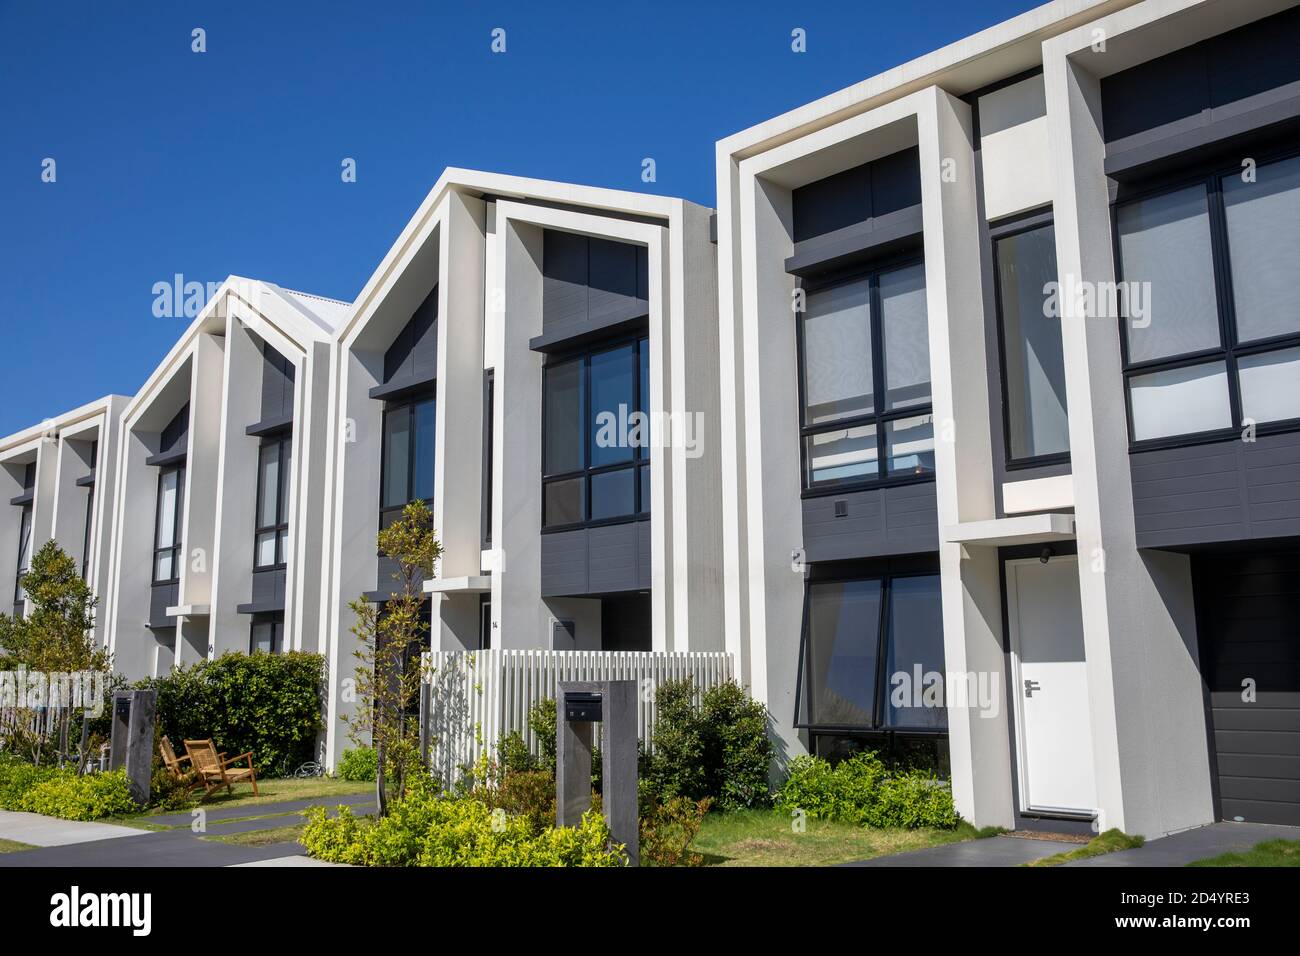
478	696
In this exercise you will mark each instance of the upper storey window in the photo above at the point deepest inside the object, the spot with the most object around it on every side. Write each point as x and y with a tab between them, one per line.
1211	328
596	441
864	361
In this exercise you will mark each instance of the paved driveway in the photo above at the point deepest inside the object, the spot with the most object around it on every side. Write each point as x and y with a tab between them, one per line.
1191	845
36	830
993	851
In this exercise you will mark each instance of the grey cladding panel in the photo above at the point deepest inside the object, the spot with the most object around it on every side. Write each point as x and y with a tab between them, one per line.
1252	59
612	557
161	597
590	283
875	522
871	190
268	590
414	353
601	560
564	563
1227	491
277	385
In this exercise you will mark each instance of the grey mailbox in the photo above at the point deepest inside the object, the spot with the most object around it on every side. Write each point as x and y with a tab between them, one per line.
582	705
131	743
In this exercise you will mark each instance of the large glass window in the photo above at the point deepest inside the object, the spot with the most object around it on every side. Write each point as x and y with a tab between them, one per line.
1217	342
596	437
1033	365
24	554
851	678
274	466
408	456
865	378
167	526
266	634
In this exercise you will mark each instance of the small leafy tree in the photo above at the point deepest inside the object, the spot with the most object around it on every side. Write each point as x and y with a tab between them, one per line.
388	637
56	637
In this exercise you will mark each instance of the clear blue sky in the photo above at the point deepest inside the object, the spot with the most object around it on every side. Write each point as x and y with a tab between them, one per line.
228	161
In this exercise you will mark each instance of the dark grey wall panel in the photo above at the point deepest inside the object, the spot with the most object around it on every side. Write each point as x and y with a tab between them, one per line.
268	590
864	192
277	385
1252	59
564	563
602	560
161	597
612	558
1227	491
643	555
879	521
589	284
413	356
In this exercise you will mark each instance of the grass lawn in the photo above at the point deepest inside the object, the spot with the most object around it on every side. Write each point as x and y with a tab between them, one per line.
765	838
285	834
1107	842
274	791
13	846
1268	853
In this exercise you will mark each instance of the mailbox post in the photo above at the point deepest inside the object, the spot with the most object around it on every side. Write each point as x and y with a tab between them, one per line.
131	744
581	706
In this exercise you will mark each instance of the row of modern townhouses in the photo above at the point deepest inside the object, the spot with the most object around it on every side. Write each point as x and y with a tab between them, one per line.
967	427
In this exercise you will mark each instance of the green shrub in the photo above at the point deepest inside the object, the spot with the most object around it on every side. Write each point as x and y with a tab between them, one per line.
528	793
424	829
862	791
514	755
541	720
16	778
92	797
719	750
269	704
667	830
360	765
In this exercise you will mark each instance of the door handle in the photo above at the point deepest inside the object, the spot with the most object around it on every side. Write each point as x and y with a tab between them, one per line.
1030	687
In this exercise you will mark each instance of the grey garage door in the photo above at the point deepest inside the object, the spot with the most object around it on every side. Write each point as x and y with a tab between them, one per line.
1248	622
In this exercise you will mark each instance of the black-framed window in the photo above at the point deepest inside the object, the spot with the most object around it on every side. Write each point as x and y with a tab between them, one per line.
409	433
167	554
90	514
869	653
1036	419
864	380
1217	339
271	535
266	634
24	554
596	436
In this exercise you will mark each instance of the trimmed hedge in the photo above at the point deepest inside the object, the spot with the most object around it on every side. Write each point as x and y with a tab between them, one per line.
862	791
423	829
62	793
270	704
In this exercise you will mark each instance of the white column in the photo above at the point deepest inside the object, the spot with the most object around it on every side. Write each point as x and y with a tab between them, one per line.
1148	720
978	742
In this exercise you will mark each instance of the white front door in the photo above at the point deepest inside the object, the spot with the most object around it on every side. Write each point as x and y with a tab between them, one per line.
1054	734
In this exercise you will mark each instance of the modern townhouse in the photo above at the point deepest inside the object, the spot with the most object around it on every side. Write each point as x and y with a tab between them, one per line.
497	366
960	448
58	482
218	530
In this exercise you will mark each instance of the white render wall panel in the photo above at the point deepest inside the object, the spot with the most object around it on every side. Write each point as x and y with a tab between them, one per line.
1013	148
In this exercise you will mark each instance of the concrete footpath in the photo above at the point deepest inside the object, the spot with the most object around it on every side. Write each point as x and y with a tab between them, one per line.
74	844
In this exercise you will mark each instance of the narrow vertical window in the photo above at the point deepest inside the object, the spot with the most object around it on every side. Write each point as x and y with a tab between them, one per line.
1037	422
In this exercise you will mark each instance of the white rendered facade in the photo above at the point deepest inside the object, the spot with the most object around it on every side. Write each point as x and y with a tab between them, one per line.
469	266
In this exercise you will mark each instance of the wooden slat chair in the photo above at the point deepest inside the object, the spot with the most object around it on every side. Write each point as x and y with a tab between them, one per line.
175	765
215	770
